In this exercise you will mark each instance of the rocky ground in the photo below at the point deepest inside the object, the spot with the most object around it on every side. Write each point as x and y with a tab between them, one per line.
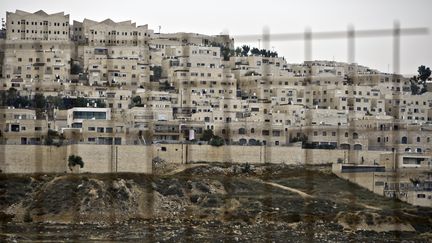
209	202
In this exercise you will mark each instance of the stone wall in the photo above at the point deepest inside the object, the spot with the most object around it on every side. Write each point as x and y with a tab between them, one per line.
136	158
32	158
97	158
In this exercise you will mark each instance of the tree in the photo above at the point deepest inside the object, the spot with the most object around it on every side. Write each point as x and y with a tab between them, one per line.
75	160
75	68
415	89
39	101
238	51
217	141
273	54
207	135
157	73
136	101
245	50
424	73
246	168
226	52
255	51
418	83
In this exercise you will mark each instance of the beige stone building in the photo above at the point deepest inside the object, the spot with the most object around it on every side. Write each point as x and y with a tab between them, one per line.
38	26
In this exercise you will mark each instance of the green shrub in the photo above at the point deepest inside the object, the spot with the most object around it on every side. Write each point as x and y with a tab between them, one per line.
217	141
75	160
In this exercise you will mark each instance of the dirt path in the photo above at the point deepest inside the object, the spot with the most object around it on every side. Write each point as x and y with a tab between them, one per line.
184	167
305	195
302	194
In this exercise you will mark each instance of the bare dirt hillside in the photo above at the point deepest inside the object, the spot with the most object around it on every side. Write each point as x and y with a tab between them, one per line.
221	202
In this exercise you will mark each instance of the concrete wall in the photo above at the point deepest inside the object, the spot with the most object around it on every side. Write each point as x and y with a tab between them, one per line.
136	158
32	158
97	158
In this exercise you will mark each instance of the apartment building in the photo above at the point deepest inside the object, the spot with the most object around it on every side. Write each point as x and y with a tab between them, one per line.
110	33
19	126
37	26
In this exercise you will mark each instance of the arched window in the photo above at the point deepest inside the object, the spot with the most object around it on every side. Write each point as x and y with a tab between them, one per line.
242	130
252	130
355	135
418	139
404	140
358	147
379	140
345	146
346	134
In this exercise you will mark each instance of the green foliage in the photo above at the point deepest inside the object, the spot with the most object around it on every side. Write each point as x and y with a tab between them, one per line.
263	52
424	73
75	160
246	168
415	181
217	141
11	97
418	83
136	101
49	141
226	52
238	51
51	135
41	104
207	135
165	86
76	69
255	51
302	138
157	73
39	101
245	50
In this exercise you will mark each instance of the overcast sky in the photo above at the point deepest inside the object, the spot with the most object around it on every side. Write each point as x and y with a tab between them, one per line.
280	16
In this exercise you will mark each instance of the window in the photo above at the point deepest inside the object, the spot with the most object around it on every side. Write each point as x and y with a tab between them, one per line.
91	129
242	131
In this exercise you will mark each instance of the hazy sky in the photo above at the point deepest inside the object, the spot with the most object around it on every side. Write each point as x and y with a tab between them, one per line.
280	16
